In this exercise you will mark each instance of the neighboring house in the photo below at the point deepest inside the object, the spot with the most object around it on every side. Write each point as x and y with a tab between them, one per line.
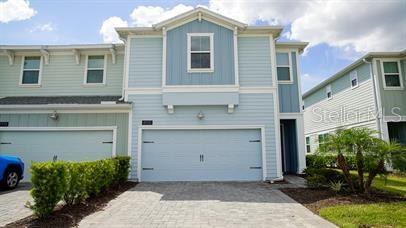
62	101
370	93
196	97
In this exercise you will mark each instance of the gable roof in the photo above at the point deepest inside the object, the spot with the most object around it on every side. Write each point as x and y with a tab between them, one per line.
350	67
199	13
203	12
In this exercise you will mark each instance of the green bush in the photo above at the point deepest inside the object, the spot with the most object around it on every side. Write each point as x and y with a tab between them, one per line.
327	161
322	177
49	181
73	182
76	188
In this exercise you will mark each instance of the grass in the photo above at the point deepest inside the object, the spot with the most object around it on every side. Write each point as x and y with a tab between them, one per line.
368	215
394	184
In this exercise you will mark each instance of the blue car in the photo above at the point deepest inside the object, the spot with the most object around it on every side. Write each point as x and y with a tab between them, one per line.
11	171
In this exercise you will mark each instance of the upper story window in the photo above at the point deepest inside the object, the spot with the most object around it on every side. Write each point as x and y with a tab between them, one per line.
95	70
31	71
354	79
308	148
284	67
392	75
329	92
200	52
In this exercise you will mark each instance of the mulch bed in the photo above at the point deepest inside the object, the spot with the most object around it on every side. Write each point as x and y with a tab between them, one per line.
70	216
315	199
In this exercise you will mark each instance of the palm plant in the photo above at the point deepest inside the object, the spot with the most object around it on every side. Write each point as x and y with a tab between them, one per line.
371	154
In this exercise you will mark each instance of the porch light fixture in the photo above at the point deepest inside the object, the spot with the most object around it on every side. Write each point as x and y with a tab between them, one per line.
54	116
200	115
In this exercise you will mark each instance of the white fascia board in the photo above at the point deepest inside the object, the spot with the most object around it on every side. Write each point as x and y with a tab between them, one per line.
66	107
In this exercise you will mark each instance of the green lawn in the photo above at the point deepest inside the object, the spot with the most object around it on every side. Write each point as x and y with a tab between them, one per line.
375	215
394	184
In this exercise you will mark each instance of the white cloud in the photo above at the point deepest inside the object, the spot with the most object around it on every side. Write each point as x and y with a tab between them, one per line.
48	27
363	26
148	15
15	10
271	11
107	29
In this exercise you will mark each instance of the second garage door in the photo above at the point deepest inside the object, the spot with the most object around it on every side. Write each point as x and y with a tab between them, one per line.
201	155
39	146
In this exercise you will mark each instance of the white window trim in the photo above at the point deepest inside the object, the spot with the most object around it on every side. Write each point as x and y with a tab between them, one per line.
354	75
290	81
189	52
328	89
384	78
85	83
308	144
20	84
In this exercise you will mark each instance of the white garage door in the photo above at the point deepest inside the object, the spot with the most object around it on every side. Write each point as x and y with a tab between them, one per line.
40	146
201	155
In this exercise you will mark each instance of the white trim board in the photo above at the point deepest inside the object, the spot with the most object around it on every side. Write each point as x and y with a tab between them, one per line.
101	128
199	127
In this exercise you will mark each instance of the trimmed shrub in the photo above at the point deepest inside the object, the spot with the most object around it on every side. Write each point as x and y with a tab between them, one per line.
49	181
73	182
327	161
76	188
322	177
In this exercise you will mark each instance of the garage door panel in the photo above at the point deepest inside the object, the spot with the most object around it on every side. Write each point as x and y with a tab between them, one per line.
40	146
175	155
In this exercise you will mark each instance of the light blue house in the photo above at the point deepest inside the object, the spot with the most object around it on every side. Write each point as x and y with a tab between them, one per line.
213	99
198	97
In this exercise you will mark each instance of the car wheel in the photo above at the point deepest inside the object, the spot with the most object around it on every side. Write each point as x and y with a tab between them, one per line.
11	178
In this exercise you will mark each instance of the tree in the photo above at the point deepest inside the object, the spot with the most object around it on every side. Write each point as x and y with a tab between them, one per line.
371	154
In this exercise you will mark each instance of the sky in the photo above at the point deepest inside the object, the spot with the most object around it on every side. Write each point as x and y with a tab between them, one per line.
339	32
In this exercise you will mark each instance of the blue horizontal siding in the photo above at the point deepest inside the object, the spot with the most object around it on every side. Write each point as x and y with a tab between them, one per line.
200	98
254	61
254	109
145	67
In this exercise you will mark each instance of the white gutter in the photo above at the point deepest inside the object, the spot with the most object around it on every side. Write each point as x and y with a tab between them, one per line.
66	106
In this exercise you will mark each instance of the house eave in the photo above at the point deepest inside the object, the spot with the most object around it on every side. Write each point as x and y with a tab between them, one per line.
368	56
66	107
292	45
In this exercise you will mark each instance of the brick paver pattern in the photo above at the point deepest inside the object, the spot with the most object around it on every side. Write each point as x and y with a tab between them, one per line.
204	204
12	204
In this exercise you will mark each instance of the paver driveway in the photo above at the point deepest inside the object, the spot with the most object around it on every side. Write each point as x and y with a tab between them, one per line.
12	204
204	204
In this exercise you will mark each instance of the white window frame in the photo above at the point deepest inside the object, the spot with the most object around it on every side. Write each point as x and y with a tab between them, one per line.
308	144
290	81
328	89
354	76
22	72
384	78
189	53
86	69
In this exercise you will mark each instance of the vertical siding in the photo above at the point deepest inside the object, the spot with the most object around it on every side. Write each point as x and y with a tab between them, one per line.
176	60
61	77
75	120
254	109
393	98
254	61
340	84
289	93
145	68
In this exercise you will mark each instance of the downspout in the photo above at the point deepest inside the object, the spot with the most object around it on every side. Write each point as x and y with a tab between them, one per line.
125	69
378	119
